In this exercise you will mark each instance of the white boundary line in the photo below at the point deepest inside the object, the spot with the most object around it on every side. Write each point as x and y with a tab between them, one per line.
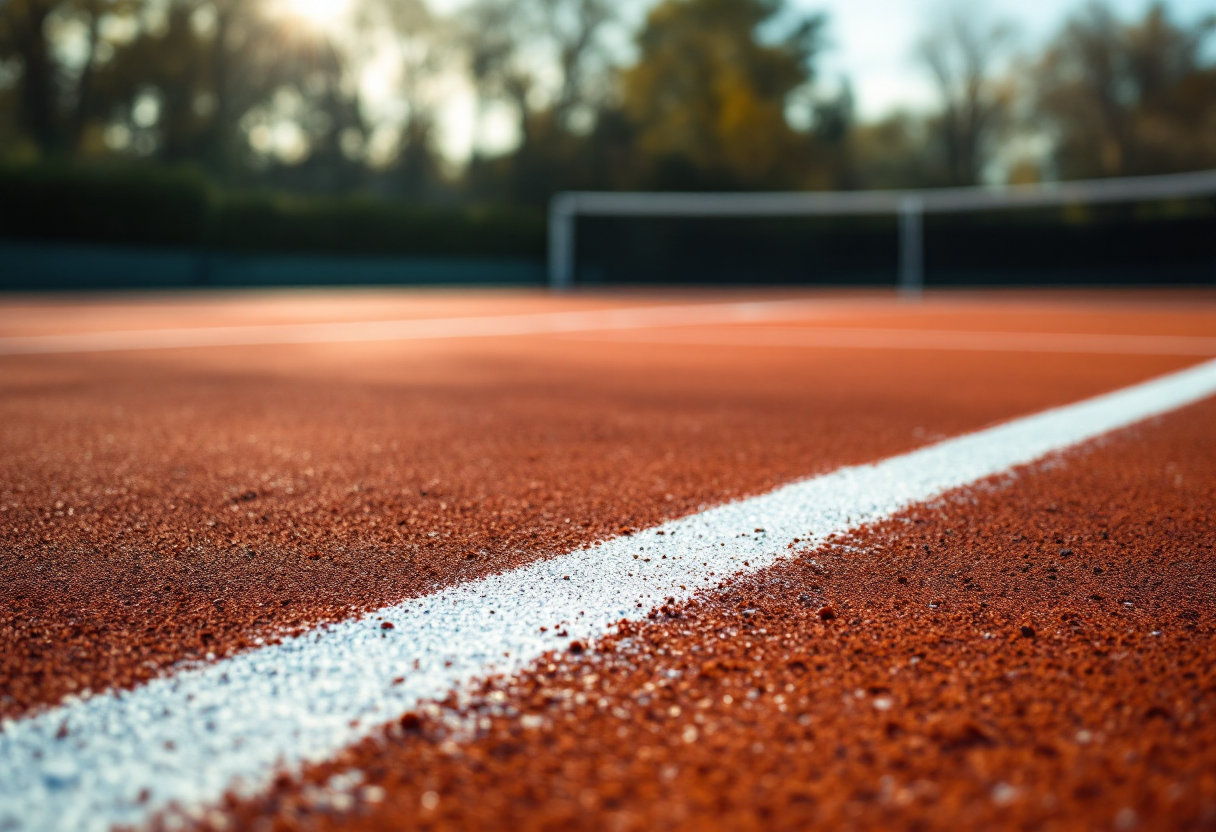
926	339
419	329
187	738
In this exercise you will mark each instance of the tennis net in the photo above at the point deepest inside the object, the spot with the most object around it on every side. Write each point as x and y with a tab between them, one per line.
1156	230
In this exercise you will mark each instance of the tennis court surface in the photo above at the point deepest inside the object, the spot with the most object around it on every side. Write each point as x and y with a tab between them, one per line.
395	560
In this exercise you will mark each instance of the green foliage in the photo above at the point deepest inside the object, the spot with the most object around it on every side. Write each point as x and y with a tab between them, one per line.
1128	99
146	206
891	153
723	94
362	225
708	94
138	206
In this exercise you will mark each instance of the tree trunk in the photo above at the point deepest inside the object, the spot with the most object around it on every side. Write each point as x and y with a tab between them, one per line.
38	94
83	105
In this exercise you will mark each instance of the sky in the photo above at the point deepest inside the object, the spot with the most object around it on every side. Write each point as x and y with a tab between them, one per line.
873	40
872	43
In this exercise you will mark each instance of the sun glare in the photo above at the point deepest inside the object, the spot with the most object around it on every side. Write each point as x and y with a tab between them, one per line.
319	13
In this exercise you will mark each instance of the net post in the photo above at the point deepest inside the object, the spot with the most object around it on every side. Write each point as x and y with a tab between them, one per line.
911	246
561	242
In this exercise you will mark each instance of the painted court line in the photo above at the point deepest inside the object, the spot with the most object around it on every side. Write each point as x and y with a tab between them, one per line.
185	739
929	339
540	323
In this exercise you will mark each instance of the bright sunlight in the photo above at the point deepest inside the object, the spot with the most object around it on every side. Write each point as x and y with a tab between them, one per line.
319	13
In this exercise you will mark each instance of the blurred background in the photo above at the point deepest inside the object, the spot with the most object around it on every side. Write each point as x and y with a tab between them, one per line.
262	142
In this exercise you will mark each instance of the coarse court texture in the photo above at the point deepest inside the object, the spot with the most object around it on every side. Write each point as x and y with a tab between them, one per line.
189	483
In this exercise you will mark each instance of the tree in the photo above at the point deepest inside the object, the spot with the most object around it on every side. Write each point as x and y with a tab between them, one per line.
892	152
408	47
548	62
1126	99
963	53
54	89
574	28
23	34
545	58
495	41
209	80
709	93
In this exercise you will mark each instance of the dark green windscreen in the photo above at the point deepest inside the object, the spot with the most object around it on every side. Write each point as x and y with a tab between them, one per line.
1124	244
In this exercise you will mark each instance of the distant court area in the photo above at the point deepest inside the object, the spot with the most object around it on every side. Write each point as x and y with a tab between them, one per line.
370	559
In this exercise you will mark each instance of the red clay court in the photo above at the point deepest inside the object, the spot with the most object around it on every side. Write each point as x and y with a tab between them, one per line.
347	560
